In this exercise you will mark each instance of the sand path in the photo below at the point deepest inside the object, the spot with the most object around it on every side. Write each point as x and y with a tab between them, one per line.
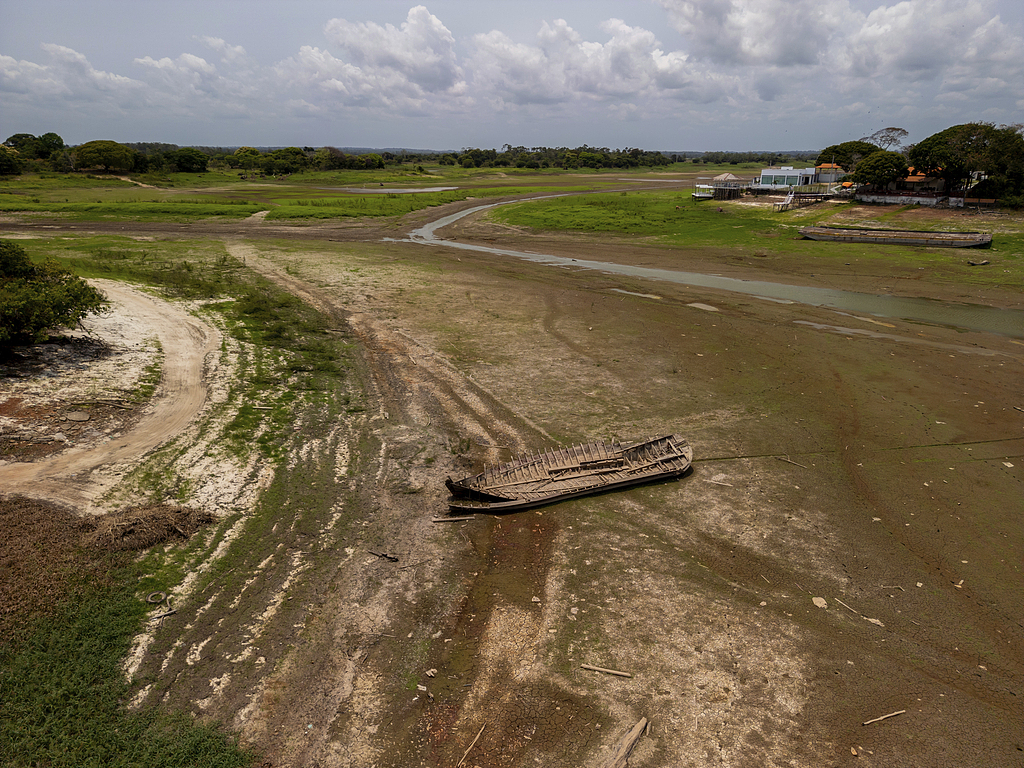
69	477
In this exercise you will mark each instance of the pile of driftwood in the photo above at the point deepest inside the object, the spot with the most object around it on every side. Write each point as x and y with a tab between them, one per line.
139	527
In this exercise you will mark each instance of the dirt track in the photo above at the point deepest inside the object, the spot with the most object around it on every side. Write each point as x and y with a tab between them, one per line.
67	478
881	474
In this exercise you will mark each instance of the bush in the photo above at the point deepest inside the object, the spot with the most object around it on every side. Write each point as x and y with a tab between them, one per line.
35	298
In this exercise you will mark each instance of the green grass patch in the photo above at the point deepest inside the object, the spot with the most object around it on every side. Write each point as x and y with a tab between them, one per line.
62	691
675	220
354	204
179	197
168	210
668	216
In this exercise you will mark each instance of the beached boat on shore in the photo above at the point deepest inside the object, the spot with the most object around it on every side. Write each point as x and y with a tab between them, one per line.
537	479
898	237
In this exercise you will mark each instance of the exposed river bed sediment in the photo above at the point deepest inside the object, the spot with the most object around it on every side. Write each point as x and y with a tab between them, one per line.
847	546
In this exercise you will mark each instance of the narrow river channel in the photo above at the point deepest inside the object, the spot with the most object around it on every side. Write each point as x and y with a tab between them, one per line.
1005	322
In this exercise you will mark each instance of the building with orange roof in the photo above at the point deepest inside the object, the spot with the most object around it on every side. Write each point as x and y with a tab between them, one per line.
829	173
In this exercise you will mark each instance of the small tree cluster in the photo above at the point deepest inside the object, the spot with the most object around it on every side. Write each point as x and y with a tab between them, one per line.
37	298
982	157
764	158
22	149
847	155
962	153
881	168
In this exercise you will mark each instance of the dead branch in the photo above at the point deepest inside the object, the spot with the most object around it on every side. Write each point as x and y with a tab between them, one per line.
471	745
847	607
790	461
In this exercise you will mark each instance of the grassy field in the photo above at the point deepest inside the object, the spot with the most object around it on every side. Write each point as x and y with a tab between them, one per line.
673	220
189	197
62	688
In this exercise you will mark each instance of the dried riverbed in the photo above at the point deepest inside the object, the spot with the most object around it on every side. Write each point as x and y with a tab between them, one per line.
847	546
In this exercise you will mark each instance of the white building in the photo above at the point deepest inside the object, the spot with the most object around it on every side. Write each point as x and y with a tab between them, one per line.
784	178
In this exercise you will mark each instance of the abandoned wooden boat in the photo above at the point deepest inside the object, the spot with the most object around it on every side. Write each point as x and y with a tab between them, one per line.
537	479
898	237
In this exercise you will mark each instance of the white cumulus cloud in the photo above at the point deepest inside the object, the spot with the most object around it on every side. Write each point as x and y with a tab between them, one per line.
750	67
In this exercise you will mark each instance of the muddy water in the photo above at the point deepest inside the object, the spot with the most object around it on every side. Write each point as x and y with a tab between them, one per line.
1006	322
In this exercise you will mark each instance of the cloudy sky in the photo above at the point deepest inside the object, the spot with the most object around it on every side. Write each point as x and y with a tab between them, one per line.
446	74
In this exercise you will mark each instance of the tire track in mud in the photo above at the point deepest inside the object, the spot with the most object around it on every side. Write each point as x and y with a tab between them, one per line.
411	380
420	394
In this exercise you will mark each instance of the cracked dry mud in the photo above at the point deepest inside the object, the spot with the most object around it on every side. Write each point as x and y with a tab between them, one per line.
880	474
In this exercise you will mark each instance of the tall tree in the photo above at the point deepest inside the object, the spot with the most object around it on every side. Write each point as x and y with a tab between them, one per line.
881	168
887	138
956	153
108	155
847	154
189	160
47	144
247	157
1005	167
10	161
25	143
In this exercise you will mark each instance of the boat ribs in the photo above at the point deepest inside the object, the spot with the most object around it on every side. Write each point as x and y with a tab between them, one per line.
565	473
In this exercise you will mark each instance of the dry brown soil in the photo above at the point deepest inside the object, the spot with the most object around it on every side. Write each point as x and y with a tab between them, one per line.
847	546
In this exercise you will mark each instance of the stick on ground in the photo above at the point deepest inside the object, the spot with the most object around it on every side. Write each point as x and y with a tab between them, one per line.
606	671
472	745
885	717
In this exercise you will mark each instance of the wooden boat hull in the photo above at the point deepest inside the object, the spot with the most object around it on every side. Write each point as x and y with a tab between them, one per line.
898	237
566	473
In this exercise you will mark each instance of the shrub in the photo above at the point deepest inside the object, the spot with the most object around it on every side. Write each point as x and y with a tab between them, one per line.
35	298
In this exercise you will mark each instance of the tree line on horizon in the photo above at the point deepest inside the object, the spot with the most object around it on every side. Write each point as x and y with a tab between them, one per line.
25	152
960	155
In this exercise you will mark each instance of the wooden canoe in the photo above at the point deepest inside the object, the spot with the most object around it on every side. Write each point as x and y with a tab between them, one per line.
898	237
534	480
